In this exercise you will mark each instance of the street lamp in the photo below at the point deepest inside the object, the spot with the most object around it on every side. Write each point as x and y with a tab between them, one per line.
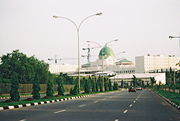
99	45
171	37
78	26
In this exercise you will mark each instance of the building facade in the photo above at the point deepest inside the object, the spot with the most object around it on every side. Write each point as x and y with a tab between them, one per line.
155	63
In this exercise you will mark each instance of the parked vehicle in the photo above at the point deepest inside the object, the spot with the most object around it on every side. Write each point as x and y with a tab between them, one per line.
132	89
138	88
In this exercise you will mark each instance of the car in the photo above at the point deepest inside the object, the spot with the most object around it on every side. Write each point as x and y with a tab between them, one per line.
138	88
132	89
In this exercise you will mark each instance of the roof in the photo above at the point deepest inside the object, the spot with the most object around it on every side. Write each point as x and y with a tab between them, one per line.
105	52
124	60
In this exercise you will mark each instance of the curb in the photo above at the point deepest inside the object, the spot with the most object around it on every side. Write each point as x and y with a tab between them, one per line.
46	102
40	103
170	102
9	97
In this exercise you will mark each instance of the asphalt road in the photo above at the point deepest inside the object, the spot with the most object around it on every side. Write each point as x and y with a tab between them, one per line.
117	106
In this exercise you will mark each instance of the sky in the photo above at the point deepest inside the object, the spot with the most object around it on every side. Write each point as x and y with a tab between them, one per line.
141	26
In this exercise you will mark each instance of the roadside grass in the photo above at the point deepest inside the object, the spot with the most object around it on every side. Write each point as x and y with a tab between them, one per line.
174	97
22	102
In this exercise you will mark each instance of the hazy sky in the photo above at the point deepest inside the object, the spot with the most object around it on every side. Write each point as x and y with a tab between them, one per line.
142	27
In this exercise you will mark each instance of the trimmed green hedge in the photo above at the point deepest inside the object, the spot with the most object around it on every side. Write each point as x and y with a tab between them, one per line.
174	97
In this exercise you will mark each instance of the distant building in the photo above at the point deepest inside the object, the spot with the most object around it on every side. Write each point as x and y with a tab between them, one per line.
107	62
155	63
56	69
145	78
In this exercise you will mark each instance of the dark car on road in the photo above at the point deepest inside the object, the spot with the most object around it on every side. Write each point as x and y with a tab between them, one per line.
132	89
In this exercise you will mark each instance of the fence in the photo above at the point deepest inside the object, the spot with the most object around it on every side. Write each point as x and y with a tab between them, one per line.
27	88
172	90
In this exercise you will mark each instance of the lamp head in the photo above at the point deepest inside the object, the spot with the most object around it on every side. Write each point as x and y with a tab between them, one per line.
55	17
99	14
171	37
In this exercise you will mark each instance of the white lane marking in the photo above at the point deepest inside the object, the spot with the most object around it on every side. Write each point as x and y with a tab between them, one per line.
96	101
81	105
110	97
60	111
116	120
23	120
125	111
134	101
104	99
130	105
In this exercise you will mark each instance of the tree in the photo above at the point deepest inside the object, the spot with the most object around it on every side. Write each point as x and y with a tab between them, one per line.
60	85
115	86
36	88
134	80
153	81
86	86
97	84
101	83
25	67
75	90
106	87
122	84
14	93
94	85
110	85
60	88
49	91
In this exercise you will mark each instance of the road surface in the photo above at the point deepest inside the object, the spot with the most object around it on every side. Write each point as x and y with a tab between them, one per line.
117	106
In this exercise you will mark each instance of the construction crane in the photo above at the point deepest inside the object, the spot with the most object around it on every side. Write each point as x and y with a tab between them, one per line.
54	59
59	59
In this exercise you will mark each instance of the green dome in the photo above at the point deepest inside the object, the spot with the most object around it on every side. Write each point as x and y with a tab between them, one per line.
105	52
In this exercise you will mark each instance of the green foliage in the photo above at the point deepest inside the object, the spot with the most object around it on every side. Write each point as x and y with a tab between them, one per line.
36	89
87	85
14	93
94	89
25	67
101	83
134	80
97	84
115	86
67	79
106	87
60	85
174	97
110	85
49	91
153	81
75	90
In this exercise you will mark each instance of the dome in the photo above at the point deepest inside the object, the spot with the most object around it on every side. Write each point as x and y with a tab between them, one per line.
106	52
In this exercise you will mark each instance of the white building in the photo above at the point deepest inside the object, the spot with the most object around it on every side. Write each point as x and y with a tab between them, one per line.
145	77
155	63
56	69
107	62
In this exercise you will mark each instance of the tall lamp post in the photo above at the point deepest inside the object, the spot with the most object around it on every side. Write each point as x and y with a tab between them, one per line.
171	37
78	26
